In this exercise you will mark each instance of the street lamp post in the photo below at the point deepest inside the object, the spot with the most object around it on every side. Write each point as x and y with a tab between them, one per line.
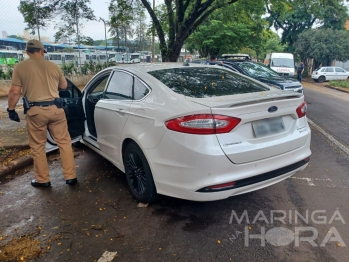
105	36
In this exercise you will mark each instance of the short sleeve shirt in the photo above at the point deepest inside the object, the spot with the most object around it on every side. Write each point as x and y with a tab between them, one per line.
38	78
300	68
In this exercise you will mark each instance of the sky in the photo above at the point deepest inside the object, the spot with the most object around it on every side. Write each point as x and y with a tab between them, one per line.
11	20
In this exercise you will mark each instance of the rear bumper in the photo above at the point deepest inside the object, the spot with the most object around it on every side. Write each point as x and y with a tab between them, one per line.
213	196
184	164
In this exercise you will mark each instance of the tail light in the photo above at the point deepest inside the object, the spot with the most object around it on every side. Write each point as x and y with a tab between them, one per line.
302	110
316	73
203	124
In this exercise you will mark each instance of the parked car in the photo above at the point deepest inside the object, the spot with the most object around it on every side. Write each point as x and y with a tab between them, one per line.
328	73
195	132
243	64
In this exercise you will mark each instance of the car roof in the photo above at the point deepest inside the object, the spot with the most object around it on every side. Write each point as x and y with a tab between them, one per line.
147	67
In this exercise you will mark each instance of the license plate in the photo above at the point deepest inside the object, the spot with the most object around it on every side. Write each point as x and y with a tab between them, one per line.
268	126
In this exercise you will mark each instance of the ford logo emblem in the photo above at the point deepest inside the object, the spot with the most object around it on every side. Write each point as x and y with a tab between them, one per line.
272	109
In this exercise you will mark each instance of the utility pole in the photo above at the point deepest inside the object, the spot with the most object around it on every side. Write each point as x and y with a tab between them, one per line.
36	18
105	37
153	39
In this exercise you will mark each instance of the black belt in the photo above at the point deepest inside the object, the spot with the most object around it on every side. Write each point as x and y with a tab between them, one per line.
45	103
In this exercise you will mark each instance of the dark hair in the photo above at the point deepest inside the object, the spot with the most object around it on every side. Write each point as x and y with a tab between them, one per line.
213	57
33	50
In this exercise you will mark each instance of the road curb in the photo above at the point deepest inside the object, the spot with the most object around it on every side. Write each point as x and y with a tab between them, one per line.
16	164
22	162
337	88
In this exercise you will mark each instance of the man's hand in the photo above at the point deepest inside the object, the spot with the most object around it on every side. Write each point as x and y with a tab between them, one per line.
13	115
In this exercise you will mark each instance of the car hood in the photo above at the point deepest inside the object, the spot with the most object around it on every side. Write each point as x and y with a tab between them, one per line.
279	81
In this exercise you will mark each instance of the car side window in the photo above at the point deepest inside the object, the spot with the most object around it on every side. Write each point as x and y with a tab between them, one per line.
140	90
99	86
339	70
329	69
120	86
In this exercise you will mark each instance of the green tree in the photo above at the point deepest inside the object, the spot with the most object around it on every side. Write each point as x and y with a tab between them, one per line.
236	27
121	20
182	18
44	14
295	16
67	15
86	40
323	45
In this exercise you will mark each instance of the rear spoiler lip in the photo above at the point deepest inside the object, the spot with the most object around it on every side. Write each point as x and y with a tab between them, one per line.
253	100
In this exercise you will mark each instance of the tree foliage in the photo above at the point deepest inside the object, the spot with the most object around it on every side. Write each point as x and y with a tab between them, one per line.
323	45
86	40
182	18
227	31
295	16
66	14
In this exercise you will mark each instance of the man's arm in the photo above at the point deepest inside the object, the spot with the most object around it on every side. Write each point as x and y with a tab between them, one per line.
62	81
13	96
63	84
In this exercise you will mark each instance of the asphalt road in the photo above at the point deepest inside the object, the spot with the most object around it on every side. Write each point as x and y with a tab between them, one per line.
80	223
329	109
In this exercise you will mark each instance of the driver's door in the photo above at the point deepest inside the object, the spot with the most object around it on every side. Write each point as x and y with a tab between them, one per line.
75	115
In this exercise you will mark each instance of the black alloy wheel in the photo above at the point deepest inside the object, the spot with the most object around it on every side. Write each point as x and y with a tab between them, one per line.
138	175
322	79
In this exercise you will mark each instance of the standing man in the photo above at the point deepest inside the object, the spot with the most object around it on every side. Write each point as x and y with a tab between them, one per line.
300	71
38	80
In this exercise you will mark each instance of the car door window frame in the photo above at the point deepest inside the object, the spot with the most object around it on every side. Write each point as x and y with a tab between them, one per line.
134	77
107	85
89	91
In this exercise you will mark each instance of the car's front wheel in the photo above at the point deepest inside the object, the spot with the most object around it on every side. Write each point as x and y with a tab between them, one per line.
322	79
138	174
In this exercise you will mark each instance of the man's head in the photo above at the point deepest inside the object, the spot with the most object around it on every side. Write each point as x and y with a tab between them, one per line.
213	58
34	46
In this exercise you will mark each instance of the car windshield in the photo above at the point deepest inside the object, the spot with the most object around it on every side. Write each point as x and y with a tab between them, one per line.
206	82
256	70
282	62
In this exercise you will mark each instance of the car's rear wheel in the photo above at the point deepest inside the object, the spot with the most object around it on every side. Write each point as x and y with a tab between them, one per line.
322	79
138	174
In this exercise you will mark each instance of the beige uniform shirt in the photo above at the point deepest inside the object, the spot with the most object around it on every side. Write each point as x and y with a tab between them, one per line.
38	78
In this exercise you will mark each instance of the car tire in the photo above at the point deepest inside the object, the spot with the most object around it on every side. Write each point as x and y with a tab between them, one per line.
321	79
138	174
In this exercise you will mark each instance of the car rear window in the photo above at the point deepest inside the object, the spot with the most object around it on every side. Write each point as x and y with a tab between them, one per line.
206	82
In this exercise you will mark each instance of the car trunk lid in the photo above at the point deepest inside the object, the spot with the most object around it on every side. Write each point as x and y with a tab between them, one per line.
274	112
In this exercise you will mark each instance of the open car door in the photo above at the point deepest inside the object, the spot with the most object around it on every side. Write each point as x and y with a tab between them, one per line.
75	115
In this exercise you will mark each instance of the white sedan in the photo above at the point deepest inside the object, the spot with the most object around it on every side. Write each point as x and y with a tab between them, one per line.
195	132
328	73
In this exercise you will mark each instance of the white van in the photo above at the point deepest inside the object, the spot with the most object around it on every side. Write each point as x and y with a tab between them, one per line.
282	63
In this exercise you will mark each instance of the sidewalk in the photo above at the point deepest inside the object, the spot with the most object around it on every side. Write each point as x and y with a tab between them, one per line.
309	82
14	148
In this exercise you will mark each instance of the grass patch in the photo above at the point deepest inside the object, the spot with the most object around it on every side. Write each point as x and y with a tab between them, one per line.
344	83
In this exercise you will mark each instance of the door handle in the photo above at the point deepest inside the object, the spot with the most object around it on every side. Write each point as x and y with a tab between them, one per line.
120	110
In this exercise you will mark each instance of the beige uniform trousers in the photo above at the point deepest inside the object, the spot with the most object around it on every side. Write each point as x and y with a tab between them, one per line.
38	120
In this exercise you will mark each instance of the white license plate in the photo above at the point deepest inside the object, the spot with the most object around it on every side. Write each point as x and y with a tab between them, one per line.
268	126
